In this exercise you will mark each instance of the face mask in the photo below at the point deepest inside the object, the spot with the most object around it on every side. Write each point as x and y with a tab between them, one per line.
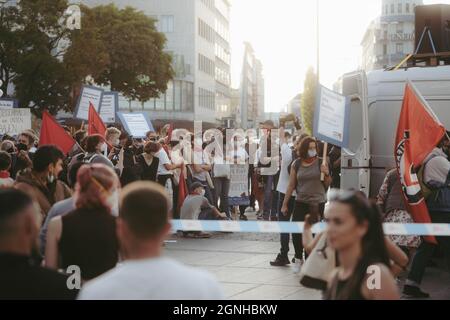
113	202
51	178
103	148
312	153
116	142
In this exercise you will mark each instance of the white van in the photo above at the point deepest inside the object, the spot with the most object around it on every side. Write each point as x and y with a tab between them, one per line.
375	108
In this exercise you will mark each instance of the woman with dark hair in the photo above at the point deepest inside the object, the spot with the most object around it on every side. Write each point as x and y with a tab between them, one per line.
147	163
305	178
86	237
356	233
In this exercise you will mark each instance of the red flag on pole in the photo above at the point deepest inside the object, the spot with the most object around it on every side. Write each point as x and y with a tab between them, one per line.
95	123
182	190
418	133
53	133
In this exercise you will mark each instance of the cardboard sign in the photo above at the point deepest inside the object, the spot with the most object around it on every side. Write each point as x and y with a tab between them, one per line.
88	95
136	124
14	121
109	107
8	103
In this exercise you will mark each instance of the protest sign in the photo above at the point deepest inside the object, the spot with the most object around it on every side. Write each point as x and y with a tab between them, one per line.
136	124
238	194
88	95
331	117
14	121
109	106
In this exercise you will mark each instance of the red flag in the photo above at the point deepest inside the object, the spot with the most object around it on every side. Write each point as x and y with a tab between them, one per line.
53	133
95	123
182	190
418	133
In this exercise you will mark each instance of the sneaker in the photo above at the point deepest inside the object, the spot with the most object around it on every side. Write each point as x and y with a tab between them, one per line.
243	217
414	292
280	261
297	265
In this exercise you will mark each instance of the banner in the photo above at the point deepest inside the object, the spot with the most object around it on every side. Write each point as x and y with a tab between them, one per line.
14	121
88	95
331	117
109	107
418	133
136	124
239	190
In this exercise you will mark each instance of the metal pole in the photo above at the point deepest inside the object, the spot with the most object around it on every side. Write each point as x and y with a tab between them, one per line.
318	41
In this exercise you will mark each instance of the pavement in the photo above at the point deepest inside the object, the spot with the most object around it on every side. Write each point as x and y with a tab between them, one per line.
240	262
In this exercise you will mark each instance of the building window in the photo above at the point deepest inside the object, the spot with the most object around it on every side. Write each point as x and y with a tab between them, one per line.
399	48
209	4
177	90
187	96
205	31
169	96
166	24
400	8
206	65
400	27
392	8
206	99
407	8
384	49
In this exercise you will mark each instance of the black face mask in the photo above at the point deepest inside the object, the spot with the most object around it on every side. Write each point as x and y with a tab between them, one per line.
21	147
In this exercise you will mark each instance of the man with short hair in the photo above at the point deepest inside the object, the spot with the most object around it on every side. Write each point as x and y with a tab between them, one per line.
41	182
142	227
19	278
197	207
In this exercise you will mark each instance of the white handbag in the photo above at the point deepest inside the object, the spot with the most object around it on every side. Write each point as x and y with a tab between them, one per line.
319	265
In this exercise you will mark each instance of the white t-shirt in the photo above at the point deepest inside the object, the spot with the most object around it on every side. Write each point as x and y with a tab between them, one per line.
152	279
163	159
286	159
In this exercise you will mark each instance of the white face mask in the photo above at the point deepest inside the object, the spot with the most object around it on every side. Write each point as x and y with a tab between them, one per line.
103	148
312	153
113	202
51	178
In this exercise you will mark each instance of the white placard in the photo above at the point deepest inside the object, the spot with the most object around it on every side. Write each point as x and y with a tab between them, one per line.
14	121
109	107
331	116
136	124
88	95
238	180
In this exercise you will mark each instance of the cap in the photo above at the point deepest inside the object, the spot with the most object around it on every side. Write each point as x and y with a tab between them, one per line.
196	185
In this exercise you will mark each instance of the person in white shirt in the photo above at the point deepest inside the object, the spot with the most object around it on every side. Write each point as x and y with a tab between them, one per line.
145	274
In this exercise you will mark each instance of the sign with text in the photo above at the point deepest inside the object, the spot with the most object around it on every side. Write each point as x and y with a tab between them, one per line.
88	95
8	103
14	121
331	117
238	194
136	124
109	106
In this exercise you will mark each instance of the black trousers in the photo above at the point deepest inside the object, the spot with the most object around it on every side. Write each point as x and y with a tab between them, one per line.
300	211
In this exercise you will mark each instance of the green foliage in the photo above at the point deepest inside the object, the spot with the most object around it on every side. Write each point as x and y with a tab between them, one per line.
308	103
47	63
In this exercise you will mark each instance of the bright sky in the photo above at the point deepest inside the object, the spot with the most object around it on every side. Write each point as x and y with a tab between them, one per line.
283	35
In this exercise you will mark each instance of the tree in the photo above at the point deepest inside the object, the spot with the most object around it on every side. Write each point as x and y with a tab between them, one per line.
309	100
31	34
121	49
47	63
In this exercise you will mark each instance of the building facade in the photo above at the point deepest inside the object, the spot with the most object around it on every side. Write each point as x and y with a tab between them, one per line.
197	33
390	37
252	103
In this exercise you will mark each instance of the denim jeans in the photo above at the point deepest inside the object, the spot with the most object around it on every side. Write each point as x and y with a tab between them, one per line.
222	188
426	250
268	195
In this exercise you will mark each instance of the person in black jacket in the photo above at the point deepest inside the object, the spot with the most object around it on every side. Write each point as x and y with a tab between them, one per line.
20	278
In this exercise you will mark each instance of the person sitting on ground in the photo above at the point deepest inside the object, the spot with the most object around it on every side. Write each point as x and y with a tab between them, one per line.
86	236
21	279
5	164
142	227
197	207
41	182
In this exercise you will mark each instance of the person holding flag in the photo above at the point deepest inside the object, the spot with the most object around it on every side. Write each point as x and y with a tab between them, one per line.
419	131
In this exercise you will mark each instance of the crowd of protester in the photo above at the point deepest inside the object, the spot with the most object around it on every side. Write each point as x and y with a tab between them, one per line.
105	207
